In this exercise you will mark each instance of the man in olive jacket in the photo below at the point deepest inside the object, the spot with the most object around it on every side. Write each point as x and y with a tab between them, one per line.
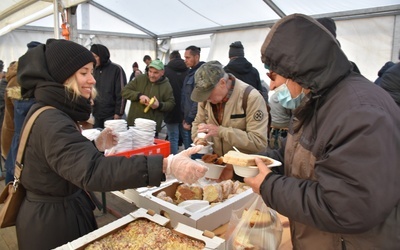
143	88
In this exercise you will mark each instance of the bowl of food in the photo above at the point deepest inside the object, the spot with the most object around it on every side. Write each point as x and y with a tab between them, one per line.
207	149
214	170
245	165
248	171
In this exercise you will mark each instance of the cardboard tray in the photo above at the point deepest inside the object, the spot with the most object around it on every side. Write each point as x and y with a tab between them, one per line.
211	241
208	219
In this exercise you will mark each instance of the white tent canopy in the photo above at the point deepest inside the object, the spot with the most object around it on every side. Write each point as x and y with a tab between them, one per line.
368	30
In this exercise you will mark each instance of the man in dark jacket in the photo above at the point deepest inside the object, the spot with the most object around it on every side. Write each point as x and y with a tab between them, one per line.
110	80
240	67
189	107
243	69
176	72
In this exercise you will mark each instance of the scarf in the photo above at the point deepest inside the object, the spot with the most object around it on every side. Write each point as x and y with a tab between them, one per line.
56	95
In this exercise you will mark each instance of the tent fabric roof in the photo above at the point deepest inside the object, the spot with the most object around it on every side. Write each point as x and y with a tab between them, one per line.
178	18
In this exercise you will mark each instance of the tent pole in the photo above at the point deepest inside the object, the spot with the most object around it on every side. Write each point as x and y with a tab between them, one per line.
56	21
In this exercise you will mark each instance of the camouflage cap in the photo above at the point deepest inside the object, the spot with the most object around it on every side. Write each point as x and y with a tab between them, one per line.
205	78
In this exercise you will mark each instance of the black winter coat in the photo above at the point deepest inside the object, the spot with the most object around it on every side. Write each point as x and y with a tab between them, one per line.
176	72
110	80
244	70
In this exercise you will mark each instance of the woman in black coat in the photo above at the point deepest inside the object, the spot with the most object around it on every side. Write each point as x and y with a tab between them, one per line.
60	164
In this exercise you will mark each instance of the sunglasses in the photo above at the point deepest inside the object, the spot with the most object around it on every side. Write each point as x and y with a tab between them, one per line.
271	75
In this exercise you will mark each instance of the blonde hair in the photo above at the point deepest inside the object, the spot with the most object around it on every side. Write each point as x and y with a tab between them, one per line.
71	85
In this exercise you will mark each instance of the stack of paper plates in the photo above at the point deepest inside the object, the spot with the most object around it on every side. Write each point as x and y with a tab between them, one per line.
119	125
145	124
91	134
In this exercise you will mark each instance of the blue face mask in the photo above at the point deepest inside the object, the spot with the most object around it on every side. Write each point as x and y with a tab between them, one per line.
285	98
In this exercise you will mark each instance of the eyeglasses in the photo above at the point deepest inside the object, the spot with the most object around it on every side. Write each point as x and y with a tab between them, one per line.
271	75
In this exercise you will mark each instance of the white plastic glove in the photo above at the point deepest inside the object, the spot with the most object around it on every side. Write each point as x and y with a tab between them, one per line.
106	139
183	168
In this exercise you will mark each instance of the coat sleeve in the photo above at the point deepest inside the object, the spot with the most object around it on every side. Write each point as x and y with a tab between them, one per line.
200	118
130	91
168	101
77	160
120	82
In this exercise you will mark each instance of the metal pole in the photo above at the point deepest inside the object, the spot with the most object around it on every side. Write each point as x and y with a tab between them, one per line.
56	20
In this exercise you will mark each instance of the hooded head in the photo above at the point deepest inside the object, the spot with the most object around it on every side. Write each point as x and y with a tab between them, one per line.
65	57
236	49
102	52
300	48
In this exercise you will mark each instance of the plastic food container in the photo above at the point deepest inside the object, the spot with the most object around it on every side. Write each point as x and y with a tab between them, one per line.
214	170
206	149
248	171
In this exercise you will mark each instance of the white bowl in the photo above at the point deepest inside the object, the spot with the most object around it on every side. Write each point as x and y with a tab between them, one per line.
248	171
214	170
206	149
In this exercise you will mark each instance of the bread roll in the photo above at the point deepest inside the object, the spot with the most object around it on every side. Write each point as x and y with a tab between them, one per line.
241	159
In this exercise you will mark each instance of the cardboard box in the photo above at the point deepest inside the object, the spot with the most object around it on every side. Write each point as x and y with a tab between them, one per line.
209	219
211	241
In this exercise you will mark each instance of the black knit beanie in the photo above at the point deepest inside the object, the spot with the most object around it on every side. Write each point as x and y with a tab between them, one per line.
65	57
236	49
33	44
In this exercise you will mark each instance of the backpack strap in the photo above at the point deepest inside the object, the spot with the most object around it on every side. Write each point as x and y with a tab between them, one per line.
245	97
22	143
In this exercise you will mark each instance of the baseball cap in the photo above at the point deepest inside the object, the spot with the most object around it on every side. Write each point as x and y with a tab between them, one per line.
205	78
157	64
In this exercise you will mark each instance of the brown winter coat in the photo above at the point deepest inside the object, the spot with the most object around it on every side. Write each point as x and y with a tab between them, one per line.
341	184
12	92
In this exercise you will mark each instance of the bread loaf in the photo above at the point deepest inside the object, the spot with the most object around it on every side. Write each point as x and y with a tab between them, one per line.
213	193
185	192
241	159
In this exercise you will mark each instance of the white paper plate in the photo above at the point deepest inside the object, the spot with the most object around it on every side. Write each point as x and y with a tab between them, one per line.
251	171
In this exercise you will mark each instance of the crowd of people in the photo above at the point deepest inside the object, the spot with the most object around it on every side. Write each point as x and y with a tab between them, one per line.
334	131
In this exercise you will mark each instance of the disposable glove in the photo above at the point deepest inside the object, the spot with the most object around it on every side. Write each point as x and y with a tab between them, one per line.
106	139
183	168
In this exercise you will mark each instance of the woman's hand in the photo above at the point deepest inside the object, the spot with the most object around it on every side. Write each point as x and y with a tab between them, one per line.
106	140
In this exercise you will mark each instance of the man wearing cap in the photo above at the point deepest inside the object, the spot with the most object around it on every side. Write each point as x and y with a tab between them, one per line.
110	79
143	88
221	111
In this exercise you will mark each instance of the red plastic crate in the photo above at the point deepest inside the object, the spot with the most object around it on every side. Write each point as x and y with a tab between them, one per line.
159	147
